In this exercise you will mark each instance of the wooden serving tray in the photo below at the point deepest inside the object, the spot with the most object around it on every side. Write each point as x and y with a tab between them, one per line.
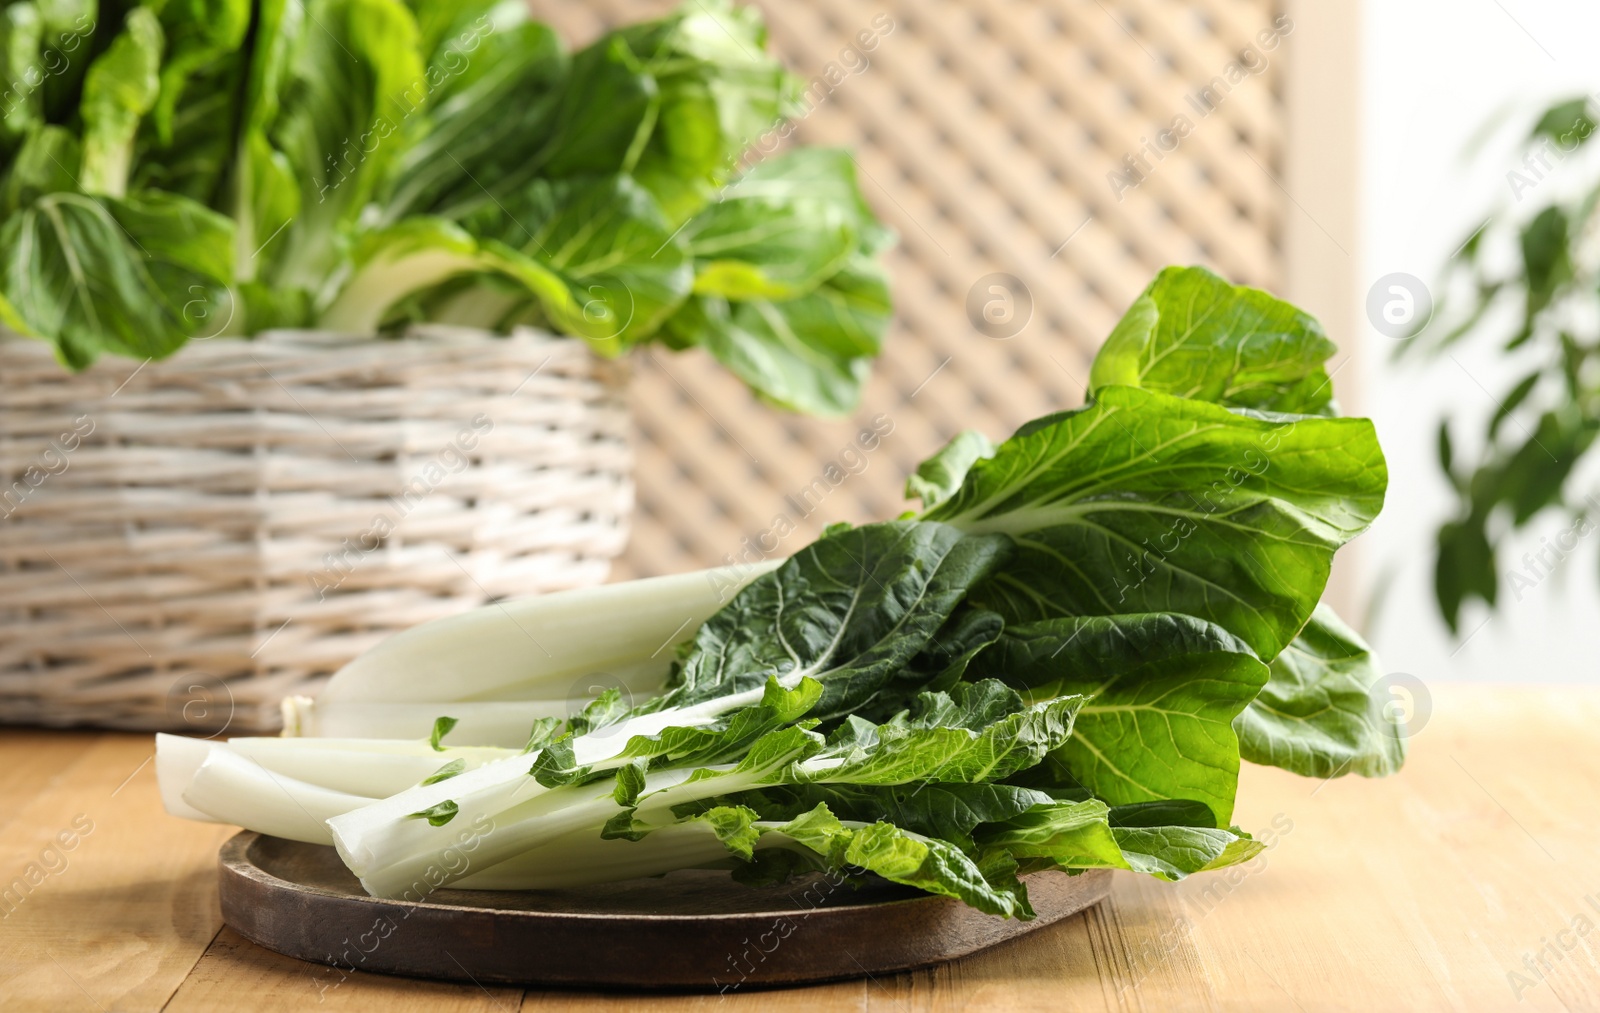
691	930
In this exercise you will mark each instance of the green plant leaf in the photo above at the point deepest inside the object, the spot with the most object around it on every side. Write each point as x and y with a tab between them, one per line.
621	271
850	611
1317	715
119	89
441	728
437	815
21	73
938	478
947	656
765	249
811	354
780	230
720	90
1464	568
1160	694
446	772
1142	502
1082	835
606	113
938	867
947	810
72	272
1193	335
348	95
486	129
1546	263
41	167
198	32
1569	123
595	257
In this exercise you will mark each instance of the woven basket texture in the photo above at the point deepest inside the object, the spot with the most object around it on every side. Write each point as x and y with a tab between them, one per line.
183	543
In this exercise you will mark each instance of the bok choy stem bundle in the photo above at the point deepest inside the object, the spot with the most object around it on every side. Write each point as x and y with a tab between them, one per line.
1058	663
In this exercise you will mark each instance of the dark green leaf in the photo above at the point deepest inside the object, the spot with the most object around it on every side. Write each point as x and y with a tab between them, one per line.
441	728
1080	835
630	782
720	90
619	269
1568	123
606	112
437	815
41	167
198	33
849	611
938	867
1142	502
446	772
72	271
1546	261
939	809
1446	452
487	128
1464	568
1161	694
606	709
782	228
544	732
940	664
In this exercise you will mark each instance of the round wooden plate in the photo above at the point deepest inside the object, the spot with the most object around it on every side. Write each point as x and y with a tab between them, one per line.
691	930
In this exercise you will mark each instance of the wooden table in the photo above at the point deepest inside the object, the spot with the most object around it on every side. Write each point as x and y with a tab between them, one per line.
1424	891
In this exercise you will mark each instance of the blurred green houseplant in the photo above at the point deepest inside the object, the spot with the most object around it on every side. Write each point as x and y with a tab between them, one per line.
183	168
1544	422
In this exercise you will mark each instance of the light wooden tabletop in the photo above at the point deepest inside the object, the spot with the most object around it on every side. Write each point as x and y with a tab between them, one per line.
1468	882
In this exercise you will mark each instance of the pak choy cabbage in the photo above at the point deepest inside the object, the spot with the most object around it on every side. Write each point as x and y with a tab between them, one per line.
1058	662
182	169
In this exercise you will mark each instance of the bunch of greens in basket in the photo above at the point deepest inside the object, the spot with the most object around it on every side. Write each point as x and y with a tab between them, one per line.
1059	663
190	169
1544	421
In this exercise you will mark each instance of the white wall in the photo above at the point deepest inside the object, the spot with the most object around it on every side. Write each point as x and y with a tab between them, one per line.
1434	72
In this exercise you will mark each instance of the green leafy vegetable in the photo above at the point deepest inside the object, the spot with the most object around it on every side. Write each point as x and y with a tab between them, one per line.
71	267
1026	677
1160	694
119	89
1317	714
378	163
1141	502
1193	335
938	478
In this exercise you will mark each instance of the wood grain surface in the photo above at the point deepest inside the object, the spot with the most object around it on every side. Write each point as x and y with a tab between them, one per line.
695	930
1426	891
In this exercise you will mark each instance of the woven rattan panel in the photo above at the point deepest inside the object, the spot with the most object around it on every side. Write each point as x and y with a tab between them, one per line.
986	133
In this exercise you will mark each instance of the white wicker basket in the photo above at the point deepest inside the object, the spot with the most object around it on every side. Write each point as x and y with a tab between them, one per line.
183	543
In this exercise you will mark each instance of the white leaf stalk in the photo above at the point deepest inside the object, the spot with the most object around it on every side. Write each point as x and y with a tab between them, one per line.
290	787
392	851
582	859
500	667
